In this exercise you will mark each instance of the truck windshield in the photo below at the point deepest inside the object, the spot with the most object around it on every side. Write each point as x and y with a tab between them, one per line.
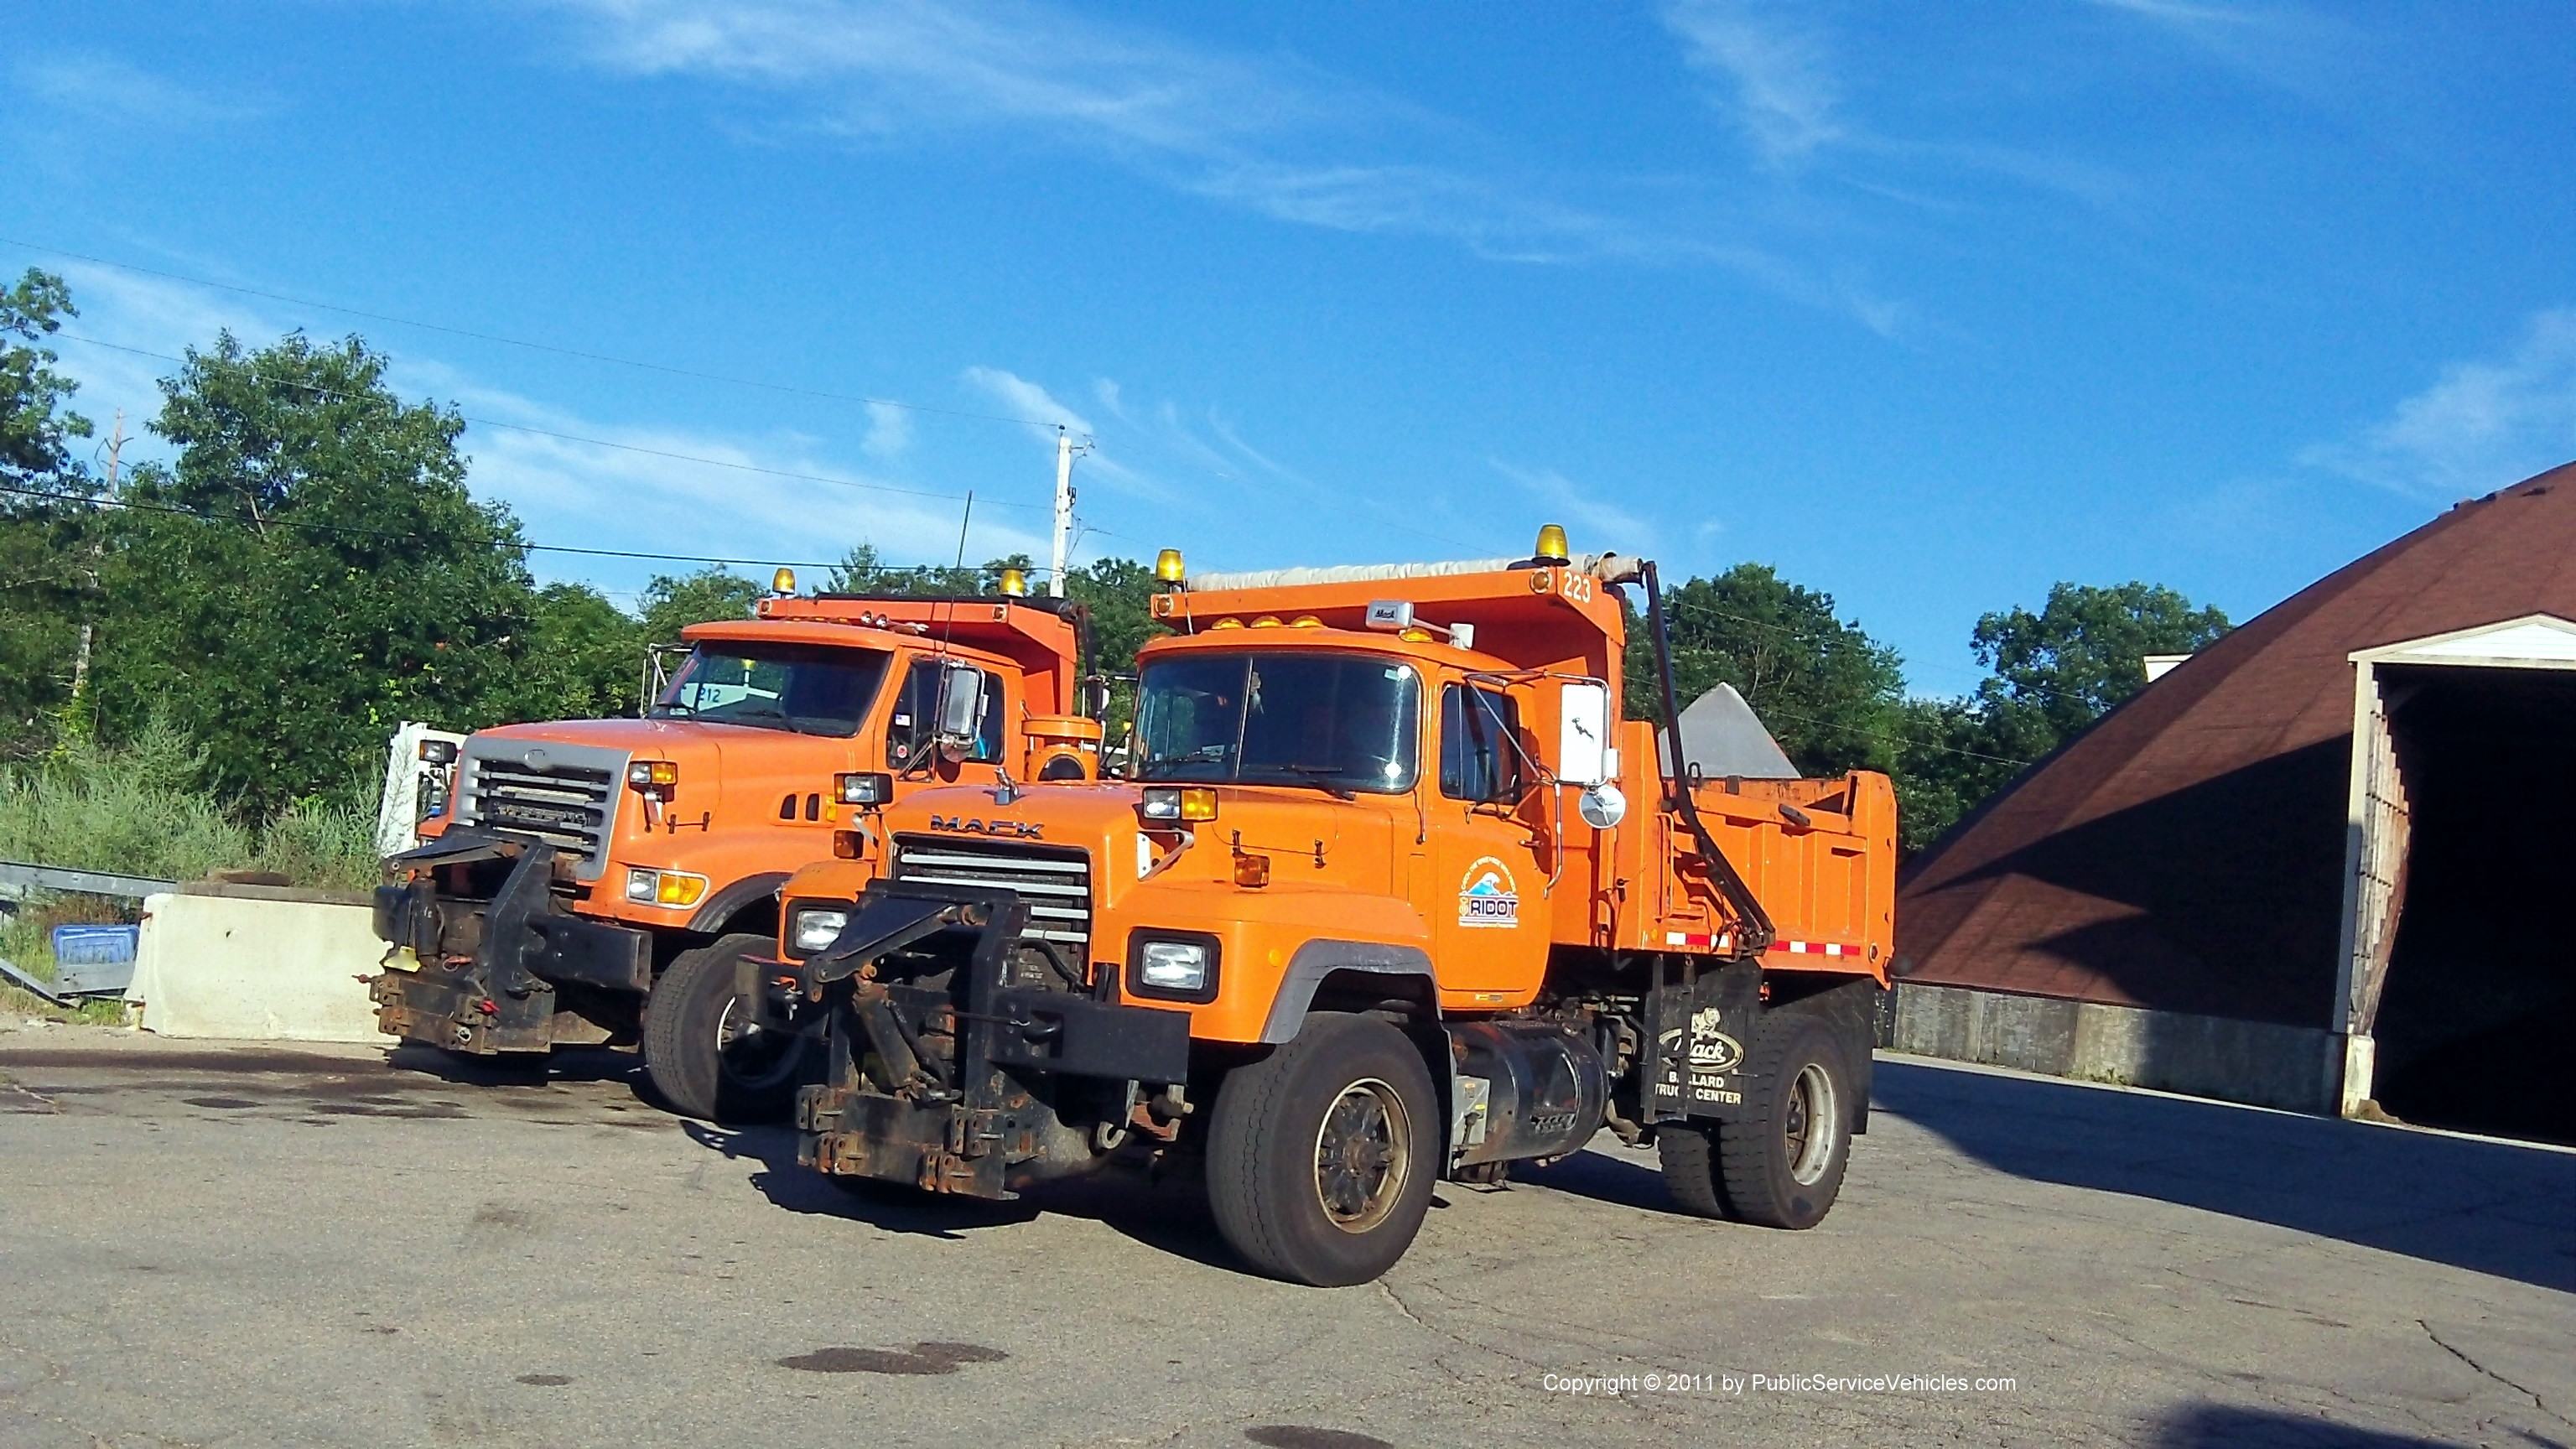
1341	722
809	688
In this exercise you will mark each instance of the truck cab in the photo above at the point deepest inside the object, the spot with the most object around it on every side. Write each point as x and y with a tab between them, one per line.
1392	894
599	881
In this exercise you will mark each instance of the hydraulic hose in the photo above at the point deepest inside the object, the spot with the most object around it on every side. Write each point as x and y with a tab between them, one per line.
1753	928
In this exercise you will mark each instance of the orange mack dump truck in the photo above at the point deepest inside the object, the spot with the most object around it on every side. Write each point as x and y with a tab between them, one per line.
604	880
1393	895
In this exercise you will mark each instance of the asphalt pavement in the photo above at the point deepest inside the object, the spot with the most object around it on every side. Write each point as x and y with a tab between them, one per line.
237	1245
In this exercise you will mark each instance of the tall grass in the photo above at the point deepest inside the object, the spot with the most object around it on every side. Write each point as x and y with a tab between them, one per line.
139	809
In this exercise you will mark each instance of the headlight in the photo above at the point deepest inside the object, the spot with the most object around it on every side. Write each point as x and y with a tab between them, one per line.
1175	968
814	928
664	887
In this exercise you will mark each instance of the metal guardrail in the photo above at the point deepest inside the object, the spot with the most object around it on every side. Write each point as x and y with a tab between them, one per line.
86	882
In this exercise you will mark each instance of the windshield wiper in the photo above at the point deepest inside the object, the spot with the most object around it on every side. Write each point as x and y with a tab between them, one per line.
1322	777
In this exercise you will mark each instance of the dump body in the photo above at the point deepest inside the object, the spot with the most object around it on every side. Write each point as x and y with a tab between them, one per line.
1334	819
581	856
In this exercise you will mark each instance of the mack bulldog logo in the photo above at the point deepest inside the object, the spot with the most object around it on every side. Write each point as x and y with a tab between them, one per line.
1487	896
1007	829
1712	1051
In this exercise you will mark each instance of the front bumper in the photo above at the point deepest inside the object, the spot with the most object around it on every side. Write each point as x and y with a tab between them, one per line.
969	1085
490	969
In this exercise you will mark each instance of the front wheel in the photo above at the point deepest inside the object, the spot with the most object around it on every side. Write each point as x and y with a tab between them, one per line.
706	1056
1781	1164
1321	1155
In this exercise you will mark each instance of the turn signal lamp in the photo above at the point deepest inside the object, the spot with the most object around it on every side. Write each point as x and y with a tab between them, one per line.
1252	870
783	582
1178	803
1014	584
1167	566
653	777
1551	545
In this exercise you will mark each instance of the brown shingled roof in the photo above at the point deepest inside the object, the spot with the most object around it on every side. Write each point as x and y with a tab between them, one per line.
2187	852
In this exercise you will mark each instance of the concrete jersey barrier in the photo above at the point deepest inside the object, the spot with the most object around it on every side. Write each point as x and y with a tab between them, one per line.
264	963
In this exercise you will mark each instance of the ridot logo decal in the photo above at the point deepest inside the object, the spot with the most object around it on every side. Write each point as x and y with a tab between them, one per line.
1487	897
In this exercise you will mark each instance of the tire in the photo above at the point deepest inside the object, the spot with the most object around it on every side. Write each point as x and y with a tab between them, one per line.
1781	1164
1321	1156
694	1065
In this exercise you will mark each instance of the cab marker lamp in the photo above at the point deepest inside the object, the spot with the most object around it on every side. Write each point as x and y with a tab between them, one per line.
1228	622
864	787
657	778
1305	621
1178	803
1266	621
649	887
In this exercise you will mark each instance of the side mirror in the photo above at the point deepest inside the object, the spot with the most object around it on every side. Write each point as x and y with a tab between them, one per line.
1583	736
961	703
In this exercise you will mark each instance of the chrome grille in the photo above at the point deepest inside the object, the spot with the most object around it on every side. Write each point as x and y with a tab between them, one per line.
564	795
1054	880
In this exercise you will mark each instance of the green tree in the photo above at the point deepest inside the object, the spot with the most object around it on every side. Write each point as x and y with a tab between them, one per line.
308	573
672	603
2053	674
47	534
1828	692
585	657
863	571
1119	592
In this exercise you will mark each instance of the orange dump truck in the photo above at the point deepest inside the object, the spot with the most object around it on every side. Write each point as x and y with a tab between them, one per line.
1392	895
602	881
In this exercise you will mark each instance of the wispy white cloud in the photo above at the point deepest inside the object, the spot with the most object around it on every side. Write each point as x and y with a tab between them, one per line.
1266	134
889	431
1774	66
1599	524
2481	425
649	492
102	89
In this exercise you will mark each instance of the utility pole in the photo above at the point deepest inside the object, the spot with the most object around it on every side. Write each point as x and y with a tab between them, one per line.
1063	509
89	630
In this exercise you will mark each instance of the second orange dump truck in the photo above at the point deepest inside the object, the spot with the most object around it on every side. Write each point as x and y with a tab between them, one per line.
605	880
1392	895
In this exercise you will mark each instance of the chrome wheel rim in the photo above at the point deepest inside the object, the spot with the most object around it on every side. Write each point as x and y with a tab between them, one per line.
1810	1124
1363	1156
753	1056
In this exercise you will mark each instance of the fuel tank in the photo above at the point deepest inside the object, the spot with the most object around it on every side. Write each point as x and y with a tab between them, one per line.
1546	1089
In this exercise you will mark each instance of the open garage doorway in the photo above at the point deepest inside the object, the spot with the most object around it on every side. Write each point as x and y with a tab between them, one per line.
2462	967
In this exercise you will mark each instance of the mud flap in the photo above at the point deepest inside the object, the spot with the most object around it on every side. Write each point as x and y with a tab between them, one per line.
1699	1031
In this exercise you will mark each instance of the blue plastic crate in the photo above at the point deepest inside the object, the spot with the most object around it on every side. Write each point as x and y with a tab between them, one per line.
95	945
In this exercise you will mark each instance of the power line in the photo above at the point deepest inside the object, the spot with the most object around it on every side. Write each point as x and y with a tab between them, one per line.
532	346
576	438
133	505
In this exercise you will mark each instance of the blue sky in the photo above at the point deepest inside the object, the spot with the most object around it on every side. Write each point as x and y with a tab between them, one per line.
1928	306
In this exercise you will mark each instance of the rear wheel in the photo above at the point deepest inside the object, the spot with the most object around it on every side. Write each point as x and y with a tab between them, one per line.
1321	1155
1781	1164
706	1056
